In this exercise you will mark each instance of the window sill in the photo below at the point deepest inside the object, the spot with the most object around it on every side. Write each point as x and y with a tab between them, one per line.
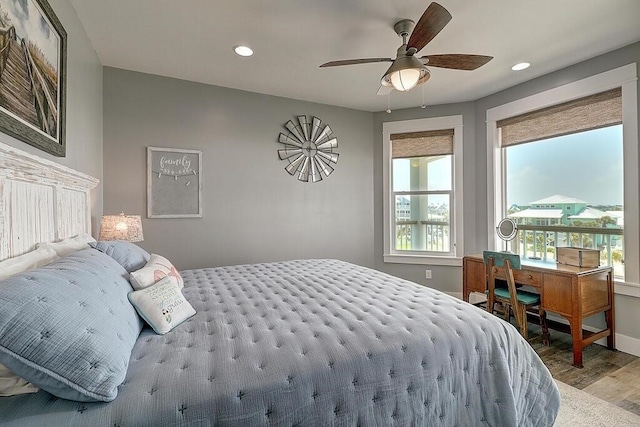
424	260
628	289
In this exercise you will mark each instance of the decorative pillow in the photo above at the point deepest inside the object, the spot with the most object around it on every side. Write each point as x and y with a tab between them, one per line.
71	245
157	268
131	257
34	259
11	384
162	305
68	327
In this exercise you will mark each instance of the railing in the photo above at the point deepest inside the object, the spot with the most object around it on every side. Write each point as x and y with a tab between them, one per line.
6	35
430	236
540	241
46	107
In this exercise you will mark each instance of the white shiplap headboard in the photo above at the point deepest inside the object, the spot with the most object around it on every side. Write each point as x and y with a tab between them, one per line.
40	201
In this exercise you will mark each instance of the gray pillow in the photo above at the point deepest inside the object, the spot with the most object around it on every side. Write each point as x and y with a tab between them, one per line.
131	257
68	327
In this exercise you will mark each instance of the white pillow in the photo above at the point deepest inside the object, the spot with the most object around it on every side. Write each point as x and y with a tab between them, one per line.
34	259
11	385
71	245
155	269
162	305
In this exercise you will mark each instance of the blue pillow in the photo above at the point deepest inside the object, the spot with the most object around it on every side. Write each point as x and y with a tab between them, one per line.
131	257
68	327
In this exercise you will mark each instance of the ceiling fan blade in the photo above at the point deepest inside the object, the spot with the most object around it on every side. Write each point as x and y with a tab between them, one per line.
457	61
384	90
432	21
355	61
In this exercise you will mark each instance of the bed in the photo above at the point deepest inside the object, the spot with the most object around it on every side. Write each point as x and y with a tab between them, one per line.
302	342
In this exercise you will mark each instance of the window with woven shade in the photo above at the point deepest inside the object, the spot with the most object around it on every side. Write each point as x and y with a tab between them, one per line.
588	113
563	177
423	189
421	200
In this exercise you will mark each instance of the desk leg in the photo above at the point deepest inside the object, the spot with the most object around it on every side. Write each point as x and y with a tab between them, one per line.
611	339
609	315
576	334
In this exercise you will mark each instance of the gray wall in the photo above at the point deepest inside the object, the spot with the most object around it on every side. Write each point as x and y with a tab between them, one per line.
84	106
449	279
253	210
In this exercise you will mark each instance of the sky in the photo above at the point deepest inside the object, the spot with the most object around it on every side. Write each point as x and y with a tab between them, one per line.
439	174
586	166
29	20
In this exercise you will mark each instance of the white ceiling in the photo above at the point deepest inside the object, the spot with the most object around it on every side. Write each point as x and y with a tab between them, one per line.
193	40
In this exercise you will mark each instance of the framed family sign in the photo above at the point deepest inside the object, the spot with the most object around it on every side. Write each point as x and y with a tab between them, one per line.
33	62
174	183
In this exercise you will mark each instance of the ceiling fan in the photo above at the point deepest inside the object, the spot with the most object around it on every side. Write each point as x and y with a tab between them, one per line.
407	70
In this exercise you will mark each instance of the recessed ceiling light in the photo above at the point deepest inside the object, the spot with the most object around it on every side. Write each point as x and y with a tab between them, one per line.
243	50
520	66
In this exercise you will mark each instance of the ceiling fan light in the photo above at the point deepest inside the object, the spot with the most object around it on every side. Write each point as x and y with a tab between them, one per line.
405	73
404	80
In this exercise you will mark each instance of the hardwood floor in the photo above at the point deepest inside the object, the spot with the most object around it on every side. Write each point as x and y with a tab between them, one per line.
612	376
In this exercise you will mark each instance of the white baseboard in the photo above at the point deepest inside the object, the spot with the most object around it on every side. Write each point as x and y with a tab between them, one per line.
474	297
623	342
628	344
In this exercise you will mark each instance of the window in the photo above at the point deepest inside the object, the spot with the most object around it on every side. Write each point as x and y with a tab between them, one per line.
423	194
582	174
565	164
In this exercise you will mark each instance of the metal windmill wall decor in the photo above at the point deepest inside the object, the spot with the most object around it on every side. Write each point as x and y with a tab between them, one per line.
308	149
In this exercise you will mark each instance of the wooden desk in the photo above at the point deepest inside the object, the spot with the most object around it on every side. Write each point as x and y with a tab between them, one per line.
572	292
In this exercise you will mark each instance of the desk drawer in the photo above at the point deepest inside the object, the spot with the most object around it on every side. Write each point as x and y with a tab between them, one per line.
531	278
522	277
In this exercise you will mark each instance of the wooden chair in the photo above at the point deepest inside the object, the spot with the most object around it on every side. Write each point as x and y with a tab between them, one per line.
511	298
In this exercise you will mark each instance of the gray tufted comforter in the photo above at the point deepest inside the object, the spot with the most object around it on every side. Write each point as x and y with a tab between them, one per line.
317	342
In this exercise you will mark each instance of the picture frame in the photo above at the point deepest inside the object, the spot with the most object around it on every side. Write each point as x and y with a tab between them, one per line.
31	30
174	183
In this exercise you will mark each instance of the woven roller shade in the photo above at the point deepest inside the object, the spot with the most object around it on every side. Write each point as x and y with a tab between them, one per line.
421	144
588	113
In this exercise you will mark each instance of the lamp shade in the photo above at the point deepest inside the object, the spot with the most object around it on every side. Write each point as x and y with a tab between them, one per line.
405	79
405	73
121	227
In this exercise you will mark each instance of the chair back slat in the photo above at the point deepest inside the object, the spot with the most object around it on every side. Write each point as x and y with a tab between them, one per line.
503	264
500	257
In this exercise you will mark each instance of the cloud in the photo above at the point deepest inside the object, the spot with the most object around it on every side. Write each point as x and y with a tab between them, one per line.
31	24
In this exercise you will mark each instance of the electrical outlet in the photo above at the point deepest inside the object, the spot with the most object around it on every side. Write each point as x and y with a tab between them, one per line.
428	274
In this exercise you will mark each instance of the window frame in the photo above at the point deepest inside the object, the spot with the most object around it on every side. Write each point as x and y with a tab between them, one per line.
624	77
391	255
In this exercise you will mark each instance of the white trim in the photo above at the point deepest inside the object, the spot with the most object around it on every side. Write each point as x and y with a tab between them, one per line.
474	297
628	344
625	77
417	125
424	260
628	289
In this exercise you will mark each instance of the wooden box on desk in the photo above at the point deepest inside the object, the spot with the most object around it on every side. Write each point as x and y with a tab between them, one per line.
579	257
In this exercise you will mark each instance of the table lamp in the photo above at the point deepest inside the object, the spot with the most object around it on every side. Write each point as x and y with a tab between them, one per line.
121	227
